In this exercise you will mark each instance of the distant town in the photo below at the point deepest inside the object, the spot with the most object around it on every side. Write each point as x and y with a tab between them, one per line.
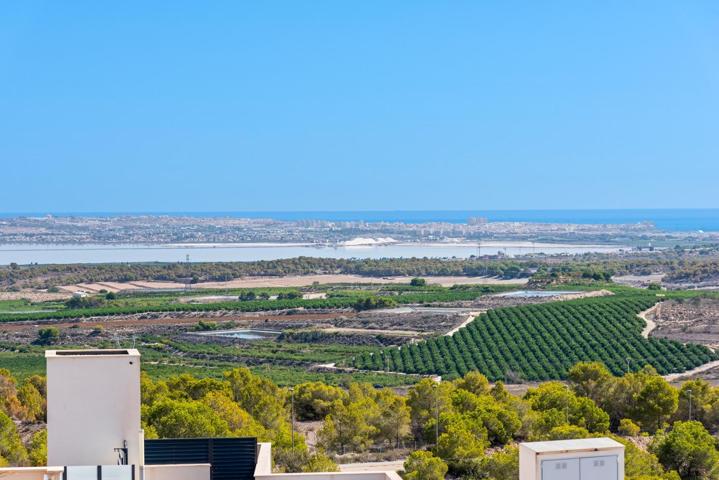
146	229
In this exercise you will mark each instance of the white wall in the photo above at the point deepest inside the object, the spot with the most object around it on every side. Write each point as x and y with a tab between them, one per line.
263	471
93	405
199	471
31	473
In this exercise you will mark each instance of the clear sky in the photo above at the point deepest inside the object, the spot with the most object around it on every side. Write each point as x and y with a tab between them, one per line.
358	105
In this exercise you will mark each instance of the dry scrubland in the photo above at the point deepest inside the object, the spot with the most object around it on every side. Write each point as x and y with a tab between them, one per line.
689	320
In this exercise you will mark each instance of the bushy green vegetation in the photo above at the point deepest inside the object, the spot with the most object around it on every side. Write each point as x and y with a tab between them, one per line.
247	306
540	342
260	350
283	364
49	275
467	427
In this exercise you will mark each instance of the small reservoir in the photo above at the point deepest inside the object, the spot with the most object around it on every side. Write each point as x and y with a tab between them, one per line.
535	293
244	334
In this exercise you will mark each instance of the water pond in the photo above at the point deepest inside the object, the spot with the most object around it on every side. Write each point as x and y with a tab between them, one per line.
244	334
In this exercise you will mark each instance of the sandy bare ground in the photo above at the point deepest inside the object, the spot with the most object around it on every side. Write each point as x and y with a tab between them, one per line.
639	280
288	281
672	377
648	315
34	296
691	320
578	295
371	331
467	321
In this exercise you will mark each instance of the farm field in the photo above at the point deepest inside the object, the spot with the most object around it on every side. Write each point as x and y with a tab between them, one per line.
245	300
287	281
389	334
167	328
161	365
541	342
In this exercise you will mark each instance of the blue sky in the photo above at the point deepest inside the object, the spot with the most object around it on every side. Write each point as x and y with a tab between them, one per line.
365	105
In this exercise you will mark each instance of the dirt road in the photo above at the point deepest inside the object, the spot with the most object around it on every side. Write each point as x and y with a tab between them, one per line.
467	321
650	324
701	368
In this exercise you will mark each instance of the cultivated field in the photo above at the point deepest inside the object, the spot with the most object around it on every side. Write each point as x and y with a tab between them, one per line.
540	342
286	281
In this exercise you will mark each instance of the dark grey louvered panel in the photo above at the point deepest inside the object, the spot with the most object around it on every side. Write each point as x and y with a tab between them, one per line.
231	458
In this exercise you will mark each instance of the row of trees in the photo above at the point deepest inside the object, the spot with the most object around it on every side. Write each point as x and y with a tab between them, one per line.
243	306
541	342
49	275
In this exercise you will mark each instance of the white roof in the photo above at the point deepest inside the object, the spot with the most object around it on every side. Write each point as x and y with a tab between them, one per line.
117	352
582	444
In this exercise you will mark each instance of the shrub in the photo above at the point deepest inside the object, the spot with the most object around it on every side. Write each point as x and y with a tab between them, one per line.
689	449
422	465
628	428
47	336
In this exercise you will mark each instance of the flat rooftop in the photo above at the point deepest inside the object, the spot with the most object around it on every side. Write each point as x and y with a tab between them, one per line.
128	352
583	444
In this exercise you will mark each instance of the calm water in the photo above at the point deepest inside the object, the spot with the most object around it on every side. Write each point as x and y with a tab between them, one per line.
534	294
44	254
246	334
706	219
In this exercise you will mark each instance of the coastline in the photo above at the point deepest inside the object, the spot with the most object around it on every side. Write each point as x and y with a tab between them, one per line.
668	219
524	244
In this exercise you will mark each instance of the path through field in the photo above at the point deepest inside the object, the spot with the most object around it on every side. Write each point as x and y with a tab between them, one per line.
701	368
472	316
650	324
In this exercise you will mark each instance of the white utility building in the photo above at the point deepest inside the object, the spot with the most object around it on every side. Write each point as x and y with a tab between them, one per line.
93	407
585	459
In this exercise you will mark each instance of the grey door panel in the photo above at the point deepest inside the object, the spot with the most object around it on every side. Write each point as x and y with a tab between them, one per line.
564	469
599	468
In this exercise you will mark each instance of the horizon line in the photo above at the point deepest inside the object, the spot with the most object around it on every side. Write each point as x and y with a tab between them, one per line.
170	212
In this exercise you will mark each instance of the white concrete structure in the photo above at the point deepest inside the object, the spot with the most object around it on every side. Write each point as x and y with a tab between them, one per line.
31	473
186	471
93	407
585	459
263	471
